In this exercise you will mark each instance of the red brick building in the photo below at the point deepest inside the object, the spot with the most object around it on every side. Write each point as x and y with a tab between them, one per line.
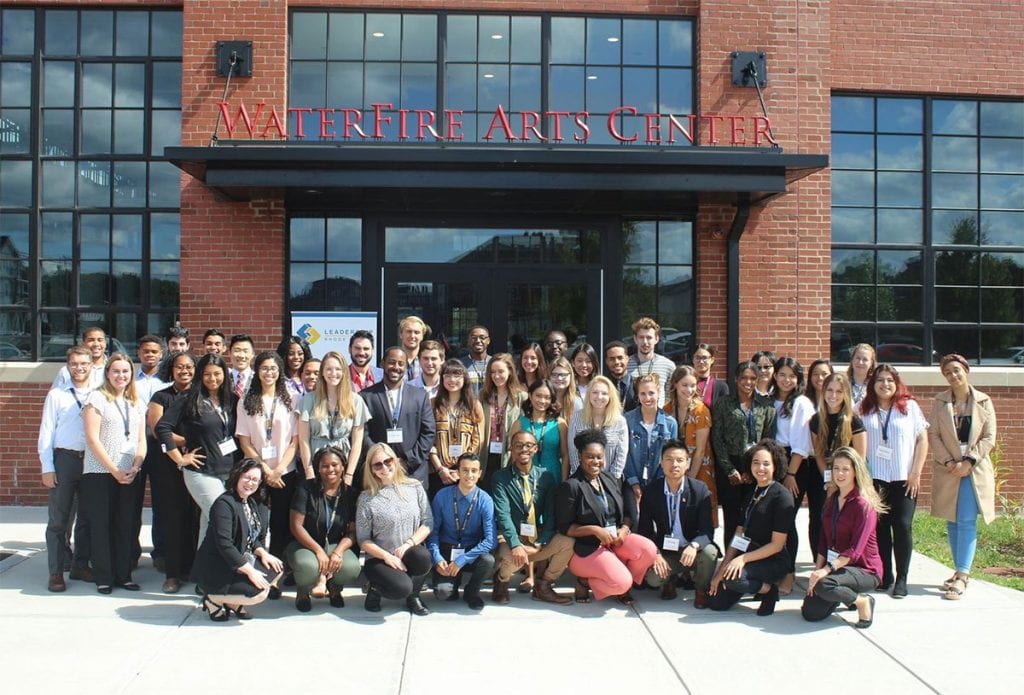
892	211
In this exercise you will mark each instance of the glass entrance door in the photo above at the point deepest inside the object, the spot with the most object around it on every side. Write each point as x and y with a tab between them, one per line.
518	305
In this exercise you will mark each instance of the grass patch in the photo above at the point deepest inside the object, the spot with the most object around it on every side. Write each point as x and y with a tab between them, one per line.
1000	544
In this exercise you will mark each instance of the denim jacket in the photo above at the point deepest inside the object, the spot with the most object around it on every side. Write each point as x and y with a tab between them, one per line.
644	454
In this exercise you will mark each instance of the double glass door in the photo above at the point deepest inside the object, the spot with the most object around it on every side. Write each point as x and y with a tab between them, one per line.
519	304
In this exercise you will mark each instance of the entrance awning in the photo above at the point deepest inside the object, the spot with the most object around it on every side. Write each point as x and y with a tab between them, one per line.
615	177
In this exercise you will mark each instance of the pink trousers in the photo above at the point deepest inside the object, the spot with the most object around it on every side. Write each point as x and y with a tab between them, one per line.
613	571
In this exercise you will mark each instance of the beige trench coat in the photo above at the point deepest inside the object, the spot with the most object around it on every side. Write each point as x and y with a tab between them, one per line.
945	446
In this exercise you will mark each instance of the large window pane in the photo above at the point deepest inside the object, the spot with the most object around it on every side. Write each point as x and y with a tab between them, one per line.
58	183
345	37
164	235
853	151
132	34
853	114
58	83
954	191
954	154
954	117
853	266
16	84
900	226
309	35
897	303
898	189
853	188
900	115
61	32
899	267
853	225
675	42
954	227
1002	118
1002	228
567	39
383	36
853	303
18	32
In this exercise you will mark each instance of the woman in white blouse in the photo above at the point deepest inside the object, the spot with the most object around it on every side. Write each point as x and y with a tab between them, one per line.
897	449
602	410
793	412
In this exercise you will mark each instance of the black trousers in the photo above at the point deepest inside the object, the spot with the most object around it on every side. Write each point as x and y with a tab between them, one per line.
895	529
395	584
754	575
61	514
109	508
812	486
477	571
841	586
731	498
177	515
280	508
153	456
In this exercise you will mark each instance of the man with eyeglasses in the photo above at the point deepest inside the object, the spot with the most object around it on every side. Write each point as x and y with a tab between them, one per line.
61	448
646	334
477	359
524	508
555	345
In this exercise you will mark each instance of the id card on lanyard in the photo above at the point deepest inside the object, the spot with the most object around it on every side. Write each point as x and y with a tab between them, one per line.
883	452
226	445
128	446
394	433
832	554
461	526
269	451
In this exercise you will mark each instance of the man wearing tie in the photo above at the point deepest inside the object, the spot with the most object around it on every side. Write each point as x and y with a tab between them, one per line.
242	352
524	507
675	513
401	416
462	537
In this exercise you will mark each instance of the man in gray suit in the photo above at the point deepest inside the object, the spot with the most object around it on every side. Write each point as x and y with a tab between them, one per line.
401	416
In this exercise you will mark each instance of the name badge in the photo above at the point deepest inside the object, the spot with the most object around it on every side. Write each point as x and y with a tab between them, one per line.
457	553
394	435
527	529
497	448
963	450
268	452
741	543
831	556
883	453
670	543
827	475
454	451
612	530
128	449
227	447
645	474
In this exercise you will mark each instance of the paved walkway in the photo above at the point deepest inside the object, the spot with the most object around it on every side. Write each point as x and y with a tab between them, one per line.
81	642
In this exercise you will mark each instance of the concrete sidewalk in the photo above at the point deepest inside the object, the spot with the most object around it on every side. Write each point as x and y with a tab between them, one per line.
148	642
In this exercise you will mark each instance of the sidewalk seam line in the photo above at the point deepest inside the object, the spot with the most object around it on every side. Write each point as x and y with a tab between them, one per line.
405	655
864	635
671	665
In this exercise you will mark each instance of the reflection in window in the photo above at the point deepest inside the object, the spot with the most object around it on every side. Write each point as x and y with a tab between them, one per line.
325	272
966	233
462	245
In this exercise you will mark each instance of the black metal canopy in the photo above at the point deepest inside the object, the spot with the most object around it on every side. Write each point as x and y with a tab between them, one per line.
626	178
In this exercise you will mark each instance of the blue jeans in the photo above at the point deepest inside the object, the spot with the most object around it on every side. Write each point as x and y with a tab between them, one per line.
963	533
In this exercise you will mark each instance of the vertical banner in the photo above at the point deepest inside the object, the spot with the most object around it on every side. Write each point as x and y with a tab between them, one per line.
328	331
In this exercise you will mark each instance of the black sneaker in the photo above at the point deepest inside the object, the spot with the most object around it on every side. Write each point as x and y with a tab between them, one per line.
274	593
372	602
415	606
474	602
303	604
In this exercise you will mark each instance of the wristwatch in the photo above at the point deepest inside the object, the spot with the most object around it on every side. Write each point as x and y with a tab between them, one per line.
695	545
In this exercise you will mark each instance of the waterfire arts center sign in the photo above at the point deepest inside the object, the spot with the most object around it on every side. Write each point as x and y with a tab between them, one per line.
623	124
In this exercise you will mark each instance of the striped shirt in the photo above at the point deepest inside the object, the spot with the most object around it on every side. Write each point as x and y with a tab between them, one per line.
903	431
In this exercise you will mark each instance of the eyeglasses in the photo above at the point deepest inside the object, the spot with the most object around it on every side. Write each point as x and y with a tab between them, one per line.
184	368
702	358
381	465
268	370
560	375
251	479
525	445
555	343
764	367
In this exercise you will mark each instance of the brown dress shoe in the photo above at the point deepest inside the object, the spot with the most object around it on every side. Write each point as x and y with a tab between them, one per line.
56	583
668	590
82	574
171	585
700	599
500	592
542	591
582	593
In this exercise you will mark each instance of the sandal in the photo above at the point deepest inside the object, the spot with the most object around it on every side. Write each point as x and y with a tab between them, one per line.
218	613
955	591
241	613
949	582
582	592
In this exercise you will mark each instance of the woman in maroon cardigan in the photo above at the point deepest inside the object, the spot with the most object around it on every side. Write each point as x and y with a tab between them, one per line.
848	564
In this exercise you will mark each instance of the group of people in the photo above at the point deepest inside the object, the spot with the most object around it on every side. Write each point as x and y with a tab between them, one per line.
276	469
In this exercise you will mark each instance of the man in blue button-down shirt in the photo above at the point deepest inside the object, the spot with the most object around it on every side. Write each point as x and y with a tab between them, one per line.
463	535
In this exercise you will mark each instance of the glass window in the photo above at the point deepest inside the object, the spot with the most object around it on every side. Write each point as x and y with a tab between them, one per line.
965	227
325	273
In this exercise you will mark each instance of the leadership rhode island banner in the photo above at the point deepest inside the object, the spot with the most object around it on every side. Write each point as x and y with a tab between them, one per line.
328	331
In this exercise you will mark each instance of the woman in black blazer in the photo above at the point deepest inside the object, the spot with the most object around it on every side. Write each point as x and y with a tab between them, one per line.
232	568
592	508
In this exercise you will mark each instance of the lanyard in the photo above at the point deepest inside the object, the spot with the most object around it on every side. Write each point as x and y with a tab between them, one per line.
858	391
222	414
329	510
396	407
750	508
268	424
708	392
254	524
498	420
459	528
835	521
454	421
673	500
74	394
602	498
124	416
540	439
751	427
885	427
332	424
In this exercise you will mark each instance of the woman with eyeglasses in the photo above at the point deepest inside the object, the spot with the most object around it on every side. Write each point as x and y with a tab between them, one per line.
541	419
897	449
765	364
862	363
962	436
459	421
585	366
178	514
323	525
332	414
709	387
233	568
532	365
267	431
737	423
563	381
393	519
294	351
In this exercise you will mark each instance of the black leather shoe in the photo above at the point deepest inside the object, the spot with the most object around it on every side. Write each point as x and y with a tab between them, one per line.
303	604
82	574
415	606
474	601
372	602
768	601
899	589
274	593
337	600
865	624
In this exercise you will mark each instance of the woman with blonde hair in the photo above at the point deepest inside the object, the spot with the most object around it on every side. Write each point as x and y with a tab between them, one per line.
501	398
962	436
602	411
115	438
393	520
687	405
563	381
332	415
459	421
848	564
862	363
